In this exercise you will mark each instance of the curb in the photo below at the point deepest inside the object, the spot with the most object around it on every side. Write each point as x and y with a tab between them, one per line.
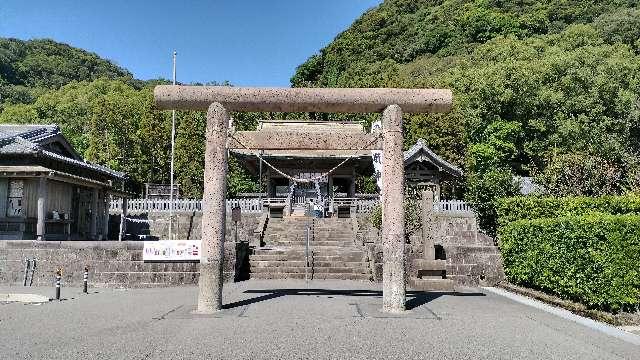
568	315
24	298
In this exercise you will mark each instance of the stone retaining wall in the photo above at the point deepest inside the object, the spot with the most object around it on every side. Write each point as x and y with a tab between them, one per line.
186	226
472	258
111	264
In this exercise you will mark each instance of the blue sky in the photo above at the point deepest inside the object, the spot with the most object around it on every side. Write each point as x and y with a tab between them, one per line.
247	42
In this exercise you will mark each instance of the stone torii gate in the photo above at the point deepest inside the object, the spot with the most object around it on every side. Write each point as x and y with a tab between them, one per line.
220	100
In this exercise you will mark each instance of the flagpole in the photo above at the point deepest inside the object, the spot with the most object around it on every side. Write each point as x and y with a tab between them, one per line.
173	142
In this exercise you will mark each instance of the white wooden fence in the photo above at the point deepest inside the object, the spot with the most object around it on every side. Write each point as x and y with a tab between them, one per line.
366	205
246	205
452	206
253	205
182	205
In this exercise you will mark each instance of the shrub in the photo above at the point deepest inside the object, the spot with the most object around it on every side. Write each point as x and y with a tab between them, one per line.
592	259
412	220
531	207
581	174
482	193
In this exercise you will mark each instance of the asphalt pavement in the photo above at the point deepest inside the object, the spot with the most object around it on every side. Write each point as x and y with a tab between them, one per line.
290	319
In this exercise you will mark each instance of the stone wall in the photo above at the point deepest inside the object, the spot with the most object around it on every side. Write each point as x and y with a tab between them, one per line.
119	264
472	258
111	264
186	226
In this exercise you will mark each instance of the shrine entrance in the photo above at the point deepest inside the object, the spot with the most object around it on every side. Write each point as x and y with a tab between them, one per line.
219	101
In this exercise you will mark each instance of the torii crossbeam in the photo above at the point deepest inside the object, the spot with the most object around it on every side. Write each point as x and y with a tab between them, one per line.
219	100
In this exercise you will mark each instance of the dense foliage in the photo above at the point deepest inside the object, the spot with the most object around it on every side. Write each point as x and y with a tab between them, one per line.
530	208
114	124
537	85
545	89
30	68
593	259
412	219
106	114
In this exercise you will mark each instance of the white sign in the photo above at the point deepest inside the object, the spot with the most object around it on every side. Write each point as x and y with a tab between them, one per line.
376	155
171	250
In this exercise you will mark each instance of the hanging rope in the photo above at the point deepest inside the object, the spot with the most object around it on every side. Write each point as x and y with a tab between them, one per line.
138	221
300	180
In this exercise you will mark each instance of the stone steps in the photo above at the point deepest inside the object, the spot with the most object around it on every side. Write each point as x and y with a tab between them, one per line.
302	269
304	238
311	276
301	263
333	254
322	250
313	245
316	258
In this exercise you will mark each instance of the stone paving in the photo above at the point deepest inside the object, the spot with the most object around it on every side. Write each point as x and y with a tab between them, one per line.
291	319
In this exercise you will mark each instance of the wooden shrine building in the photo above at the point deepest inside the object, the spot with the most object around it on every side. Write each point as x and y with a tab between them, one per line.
423	168
47	190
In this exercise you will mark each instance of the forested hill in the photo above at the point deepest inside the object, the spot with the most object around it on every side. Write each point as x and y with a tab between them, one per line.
105	113
401	31
547	89
30	68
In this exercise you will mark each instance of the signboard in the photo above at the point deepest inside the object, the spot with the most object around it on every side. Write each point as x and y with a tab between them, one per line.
171	250
376	156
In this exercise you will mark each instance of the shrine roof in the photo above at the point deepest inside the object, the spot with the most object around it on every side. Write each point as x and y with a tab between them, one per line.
46	141
421	152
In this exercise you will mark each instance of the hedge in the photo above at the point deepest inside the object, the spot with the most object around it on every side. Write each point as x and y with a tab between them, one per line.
592	259
531	207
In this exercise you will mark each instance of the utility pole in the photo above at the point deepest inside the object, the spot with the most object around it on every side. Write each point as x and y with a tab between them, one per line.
173	143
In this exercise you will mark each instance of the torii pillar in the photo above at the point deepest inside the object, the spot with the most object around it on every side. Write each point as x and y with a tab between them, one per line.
213	210
393	257
219	100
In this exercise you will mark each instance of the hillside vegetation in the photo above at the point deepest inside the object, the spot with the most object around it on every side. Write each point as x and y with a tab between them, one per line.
105	113
546	89
30	68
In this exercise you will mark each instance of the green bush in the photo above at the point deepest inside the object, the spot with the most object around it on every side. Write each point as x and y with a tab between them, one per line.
592	259
530	207
412	220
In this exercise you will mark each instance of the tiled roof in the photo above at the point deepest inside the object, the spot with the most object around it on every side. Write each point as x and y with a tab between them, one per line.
421	146
29	132
27	140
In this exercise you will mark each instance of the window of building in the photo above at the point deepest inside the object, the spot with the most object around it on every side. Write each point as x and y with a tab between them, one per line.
14	200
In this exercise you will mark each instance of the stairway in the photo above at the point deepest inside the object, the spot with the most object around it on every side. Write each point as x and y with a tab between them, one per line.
332	251
431	275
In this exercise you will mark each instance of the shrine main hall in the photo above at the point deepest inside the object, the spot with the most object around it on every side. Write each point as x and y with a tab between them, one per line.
347	170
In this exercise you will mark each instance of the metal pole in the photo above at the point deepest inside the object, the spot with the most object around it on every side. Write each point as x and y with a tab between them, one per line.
27	267
33	270
58	277
85	279
260	177
306	254
173	137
